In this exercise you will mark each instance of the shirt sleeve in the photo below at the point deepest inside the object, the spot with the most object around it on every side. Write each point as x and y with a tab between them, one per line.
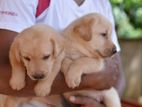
16	15
109	15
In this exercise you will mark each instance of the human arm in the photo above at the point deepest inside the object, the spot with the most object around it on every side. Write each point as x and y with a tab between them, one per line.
120	85
59	85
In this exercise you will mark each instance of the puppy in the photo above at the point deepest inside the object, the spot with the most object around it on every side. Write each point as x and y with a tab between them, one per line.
37	51
87	43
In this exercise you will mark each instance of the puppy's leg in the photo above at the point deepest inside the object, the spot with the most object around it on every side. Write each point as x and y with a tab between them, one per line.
65	65
43	87
17	80
81	66
111	98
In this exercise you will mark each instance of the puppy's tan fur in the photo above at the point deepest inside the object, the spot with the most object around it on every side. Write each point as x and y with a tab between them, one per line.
88	42
38	52
10	101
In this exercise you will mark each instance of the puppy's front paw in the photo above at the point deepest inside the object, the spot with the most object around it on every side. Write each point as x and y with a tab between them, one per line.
73	80
17	84
42	90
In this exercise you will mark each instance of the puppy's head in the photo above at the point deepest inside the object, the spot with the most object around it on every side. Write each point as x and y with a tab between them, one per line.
36	49
93	31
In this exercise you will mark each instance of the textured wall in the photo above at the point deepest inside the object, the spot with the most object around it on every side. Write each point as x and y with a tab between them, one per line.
132	62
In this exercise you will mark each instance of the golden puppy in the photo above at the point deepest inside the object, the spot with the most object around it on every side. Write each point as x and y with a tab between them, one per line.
87	43
38	52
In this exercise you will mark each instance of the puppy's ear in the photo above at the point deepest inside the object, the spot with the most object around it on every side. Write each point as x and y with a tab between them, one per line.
109	31
84	29
57	47
14	56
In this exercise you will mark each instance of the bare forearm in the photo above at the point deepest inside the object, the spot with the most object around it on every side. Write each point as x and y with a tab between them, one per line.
120	83
112	75
6	38
114	64
59	85
99	80
103	80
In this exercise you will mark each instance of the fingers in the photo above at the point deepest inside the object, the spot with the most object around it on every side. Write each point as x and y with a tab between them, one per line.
85	101
79	100
50	105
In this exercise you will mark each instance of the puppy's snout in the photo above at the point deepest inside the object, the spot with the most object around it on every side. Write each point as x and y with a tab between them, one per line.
114	50
38	76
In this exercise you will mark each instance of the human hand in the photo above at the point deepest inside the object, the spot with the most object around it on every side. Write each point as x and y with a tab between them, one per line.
85	101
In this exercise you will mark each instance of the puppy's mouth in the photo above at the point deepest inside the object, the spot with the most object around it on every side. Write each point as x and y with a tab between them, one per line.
100	54
105	54
38	77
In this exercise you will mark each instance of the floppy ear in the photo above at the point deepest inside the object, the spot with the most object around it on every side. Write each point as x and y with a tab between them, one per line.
84	29
14	56
109	32
57	47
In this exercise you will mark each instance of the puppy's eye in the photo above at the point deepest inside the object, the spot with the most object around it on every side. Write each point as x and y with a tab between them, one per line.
27	58
46	57
104	34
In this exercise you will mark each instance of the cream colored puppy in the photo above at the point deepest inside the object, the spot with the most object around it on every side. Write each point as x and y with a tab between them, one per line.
37	51
88	42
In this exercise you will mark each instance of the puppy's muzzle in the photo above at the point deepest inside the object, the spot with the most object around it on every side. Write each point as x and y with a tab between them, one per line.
109	52
38	76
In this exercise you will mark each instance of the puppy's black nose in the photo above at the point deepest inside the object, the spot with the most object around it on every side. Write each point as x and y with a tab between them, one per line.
114	50
38	76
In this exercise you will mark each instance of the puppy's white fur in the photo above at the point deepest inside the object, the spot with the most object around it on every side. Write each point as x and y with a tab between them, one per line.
37	51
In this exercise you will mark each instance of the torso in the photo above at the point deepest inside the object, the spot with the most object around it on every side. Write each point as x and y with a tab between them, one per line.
79	2
68	10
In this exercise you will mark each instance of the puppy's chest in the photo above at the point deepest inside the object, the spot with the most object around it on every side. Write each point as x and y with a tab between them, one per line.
73	53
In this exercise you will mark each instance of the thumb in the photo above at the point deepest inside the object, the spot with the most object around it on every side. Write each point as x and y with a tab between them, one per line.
79	100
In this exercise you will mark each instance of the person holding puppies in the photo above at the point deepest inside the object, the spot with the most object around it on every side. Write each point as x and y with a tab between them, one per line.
16	15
